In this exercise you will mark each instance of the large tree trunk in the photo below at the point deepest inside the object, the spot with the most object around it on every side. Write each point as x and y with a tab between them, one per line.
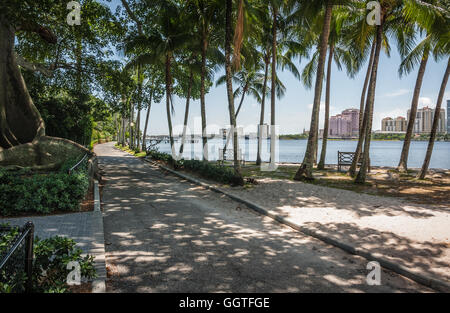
305	170
144	146
362	124
323	152
403	163
202	96
261	118
20	121
186	112
368	112
273	86
426	161
168	100
229	83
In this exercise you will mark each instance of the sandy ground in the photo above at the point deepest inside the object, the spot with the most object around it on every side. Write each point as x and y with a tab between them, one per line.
416	236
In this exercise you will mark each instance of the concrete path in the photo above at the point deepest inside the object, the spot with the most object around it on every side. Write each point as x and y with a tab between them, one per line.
163	234
85	228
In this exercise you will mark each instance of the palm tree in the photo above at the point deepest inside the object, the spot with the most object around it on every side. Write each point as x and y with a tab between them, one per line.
249	83
337	52
305	170
229	74
205	13
434	127
160	48
432	22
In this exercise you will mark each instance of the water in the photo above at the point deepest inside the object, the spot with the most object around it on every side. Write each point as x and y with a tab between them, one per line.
382	153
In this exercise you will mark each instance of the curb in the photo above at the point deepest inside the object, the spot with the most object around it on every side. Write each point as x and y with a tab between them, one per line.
422	279
99	284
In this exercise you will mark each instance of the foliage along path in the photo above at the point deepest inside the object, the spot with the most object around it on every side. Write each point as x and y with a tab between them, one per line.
163	234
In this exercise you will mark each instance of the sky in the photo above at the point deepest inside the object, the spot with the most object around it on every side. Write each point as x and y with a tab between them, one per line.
293	111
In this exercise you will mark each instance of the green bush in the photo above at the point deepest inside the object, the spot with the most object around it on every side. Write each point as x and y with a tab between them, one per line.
211	171
23	191
50	272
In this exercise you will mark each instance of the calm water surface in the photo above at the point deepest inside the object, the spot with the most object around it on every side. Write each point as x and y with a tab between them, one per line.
382	153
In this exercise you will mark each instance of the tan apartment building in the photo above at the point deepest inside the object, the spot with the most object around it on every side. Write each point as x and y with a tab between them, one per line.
424	120
399	124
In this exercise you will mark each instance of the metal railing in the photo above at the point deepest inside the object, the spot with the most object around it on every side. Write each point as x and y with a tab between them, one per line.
78	164
18	256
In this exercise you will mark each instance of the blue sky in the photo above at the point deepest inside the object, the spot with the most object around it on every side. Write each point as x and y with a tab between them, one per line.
293	111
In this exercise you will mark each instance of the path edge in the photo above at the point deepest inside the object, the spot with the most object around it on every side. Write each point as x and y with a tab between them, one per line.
99	283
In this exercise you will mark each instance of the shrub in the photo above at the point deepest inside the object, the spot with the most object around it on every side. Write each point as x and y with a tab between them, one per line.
211	171
24	191
50	272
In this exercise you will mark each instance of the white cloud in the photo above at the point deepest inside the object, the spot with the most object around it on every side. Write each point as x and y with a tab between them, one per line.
397	93
425	101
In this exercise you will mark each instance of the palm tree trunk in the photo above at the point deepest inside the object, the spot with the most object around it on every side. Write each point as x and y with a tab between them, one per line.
186	113
144	146
138	119
168	100
202	96
130	144
426	161
261	118
123	132
368	112
242	100
323	152
366	82
362	118
403	163
228	70
305	170
273	85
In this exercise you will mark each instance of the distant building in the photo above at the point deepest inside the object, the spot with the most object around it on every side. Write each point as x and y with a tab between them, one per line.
399	124
424	120
345	124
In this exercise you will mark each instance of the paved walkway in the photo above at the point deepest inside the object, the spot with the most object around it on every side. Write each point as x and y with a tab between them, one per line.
85	228
163	234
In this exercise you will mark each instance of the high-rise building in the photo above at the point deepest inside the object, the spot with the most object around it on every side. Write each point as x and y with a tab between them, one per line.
424	120
345	124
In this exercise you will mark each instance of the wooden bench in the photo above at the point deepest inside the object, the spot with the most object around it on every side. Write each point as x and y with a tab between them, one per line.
228	155
346	159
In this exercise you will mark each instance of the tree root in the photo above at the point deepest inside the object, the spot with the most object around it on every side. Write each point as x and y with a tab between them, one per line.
43	154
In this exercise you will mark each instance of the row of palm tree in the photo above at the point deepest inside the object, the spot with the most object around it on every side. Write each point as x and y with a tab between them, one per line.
187	42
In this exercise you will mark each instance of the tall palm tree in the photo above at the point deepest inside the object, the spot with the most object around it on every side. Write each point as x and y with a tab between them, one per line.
432	22
341	56
305	170
205	13
159	47
229	74
426	161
